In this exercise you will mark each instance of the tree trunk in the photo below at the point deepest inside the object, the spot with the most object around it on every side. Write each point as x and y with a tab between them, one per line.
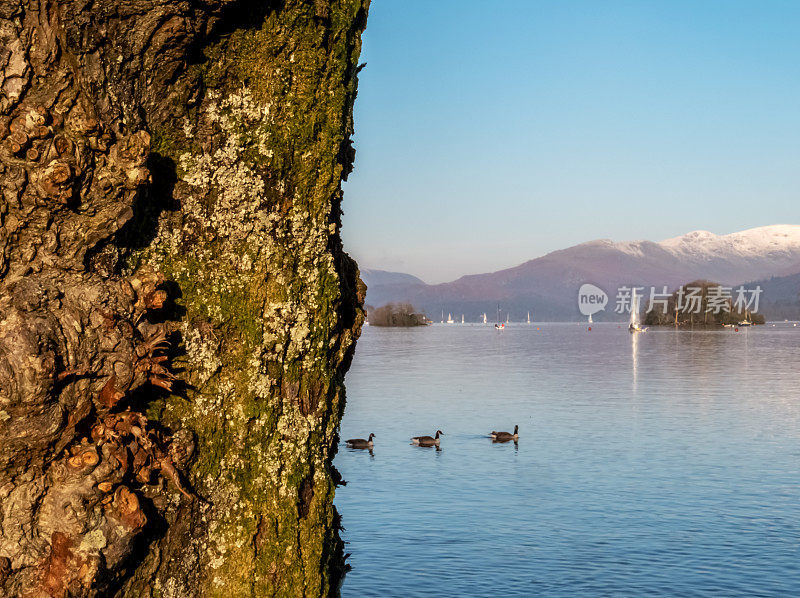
176	310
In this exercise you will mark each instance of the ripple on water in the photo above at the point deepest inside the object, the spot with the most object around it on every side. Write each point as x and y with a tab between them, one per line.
661	466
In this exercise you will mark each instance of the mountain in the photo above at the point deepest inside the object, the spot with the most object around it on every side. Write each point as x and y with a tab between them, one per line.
385	278
548	285
763	251
383	286
780	296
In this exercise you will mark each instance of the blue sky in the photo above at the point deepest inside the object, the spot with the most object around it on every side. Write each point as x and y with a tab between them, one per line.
489	133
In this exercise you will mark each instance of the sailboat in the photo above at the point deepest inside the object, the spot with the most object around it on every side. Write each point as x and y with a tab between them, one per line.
506	318
529	317
590	319
450	319
499	325
484	317
634	323
462	318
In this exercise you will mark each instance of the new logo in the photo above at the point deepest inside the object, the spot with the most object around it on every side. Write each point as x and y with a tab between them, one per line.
591	299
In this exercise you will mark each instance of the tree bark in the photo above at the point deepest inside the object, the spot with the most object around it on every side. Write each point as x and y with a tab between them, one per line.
176	310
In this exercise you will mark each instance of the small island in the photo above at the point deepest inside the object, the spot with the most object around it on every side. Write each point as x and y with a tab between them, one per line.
396	315
700	304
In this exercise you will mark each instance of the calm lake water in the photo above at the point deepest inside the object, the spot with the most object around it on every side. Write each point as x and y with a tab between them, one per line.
660	464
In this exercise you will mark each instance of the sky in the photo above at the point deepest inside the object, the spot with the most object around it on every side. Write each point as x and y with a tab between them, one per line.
490	133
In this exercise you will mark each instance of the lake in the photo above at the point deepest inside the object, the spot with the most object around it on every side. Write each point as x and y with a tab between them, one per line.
661	464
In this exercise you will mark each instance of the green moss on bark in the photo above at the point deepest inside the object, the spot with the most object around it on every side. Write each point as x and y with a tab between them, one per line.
270	316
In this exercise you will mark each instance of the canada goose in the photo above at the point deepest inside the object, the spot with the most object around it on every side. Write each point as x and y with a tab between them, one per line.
360	443
505	436
427	440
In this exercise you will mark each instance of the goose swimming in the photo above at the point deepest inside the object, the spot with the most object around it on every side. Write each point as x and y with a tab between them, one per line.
427	440
505	436
360	443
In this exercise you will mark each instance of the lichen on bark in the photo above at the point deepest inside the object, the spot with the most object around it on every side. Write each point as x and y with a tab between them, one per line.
235	214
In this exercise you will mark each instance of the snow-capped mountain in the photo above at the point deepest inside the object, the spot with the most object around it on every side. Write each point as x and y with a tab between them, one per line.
780	242
548	285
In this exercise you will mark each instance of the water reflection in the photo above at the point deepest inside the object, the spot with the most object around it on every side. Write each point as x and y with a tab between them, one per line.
508	441
351	449
436	447
635	354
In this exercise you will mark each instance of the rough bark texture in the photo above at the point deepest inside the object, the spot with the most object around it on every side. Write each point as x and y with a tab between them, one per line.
176	310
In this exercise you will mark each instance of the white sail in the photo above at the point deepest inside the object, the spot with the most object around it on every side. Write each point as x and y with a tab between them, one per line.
484	317
590	318
634	325
462	318
529	317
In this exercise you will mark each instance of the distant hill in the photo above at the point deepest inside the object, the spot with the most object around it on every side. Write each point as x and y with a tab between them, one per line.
780	297
376	278
547	286
384	287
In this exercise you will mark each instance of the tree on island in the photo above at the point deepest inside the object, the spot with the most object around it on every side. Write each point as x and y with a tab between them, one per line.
397	315
700	303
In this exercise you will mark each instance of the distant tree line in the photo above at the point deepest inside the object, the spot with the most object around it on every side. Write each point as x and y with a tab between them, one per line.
395	315
699	303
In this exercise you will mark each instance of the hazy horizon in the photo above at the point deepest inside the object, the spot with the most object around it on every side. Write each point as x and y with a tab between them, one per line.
497	137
